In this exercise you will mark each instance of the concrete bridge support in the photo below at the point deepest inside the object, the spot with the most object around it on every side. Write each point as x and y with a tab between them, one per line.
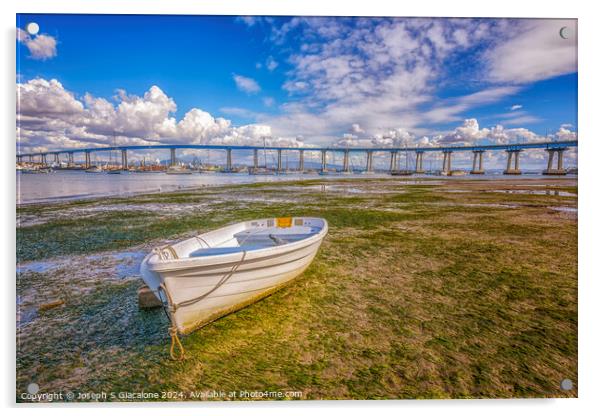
559	166
87	163
446	170
56	158
477	162
255	158
369	161
346	165
323	160
228	160
124	159
301	161
419	156
70	159
393	164
279	168
44	159
172	157
30	158
510	170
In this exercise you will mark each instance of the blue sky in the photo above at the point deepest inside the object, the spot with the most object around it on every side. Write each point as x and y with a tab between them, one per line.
348	81
190	58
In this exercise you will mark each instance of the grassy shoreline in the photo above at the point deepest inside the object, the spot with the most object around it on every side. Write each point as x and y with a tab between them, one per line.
422	289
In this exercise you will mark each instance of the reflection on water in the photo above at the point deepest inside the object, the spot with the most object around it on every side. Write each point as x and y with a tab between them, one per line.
551	192
572	210
36	267
67	185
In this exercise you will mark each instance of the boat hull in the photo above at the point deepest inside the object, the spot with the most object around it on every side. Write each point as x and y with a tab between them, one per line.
249	276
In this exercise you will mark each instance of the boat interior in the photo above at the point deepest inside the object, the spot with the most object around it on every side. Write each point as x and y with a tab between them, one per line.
250	235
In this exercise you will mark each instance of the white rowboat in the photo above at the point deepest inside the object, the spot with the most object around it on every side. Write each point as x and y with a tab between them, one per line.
205	277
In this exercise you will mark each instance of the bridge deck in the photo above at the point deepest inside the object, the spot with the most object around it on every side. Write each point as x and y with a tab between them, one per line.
510	146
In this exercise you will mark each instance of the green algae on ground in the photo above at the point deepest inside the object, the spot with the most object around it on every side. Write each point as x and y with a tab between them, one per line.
417	294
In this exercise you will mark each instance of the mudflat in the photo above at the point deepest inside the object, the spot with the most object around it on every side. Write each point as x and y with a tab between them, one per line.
424	288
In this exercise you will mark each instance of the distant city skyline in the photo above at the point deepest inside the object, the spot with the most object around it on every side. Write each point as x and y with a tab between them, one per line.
95	80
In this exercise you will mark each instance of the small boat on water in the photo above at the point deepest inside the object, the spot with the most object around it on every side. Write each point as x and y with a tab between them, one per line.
178	170
94	169
235	169
453	173
261	171
327	172
36	170
205	277
402	172
210	169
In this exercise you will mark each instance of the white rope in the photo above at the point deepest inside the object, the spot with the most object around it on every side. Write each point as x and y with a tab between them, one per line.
171	308
223	280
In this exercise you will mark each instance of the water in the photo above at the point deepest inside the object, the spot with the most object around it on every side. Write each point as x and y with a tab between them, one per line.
70	185
91	269
37	267
551	192
571	210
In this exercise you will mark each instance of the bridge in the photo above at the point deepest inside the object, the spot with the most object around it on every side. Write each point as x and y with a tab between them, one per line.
555	150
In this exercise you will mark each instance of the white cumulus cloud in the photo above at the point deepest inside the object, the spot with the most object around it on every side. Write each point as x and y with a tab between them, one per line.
51	117
42	97
41	47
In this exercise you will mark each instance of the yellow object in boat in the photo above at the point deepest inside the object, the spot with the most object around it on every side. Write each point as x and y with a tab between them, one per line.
284	222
